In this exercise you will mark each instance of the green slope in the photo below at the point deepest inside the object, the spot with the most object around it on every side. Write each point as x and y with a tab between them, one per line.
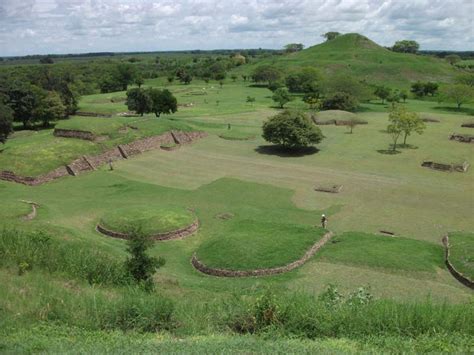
359	56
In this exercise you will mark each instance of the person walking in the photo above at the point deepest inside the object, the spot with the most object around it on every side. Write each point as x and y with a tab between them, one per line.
324	221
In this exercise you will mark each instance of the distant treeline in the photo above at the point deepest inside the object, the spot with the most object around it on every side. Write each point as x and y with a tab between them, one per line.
250	52
443	53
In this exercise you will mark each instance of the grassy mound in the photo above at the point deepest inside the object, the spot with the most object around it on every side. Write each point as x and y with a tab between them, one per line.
236	135
249	245
13	210
152	220
357	55
462	253
96	125
378	251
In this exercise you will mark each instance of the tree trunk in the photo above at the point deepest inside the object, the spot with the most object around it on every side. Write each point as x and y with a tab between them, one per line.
405	139
459	105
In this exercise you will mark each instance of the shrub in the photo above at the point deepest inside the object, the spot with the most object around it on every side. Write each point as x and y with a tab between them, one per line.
292	130
140	265
340	101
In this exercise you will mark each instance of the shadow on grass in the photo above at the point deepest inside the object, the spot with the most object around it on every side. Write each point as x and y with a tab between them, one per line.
388	151
407	146
450	109
285	152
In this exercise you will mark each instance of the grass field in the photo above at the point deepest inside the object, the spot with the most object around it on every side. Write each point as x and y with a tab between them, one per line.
257	207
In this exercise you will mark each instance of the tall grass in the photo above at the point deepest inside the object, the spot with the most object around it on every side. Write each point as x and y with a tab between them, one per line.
31	250
353	316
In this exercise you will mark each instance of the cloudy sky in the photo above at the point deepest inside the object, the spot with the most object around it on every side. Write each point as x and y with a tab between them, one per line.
77	26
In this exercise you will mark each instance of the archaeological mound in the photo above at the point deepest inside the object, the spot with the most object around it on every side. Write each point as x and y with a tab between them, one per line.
158	223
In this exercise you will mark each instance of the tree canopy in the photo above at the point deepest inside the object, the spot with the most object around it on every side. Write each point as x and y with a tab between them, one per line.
291	130
406	46
330	35
457	93
6	119
266	73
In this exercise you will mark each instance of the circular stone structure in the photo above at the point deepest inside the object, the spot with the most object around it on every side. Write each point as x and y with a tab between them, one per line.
160	223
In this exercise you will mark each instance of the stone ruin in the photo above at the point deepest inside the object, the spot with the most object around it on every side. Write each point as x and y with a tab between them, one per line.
462	168
464	138
468	125
74	133
89	163
329	188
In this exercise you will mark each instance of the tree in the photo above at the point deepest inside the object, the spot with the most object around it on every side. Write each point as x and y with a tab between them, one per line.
404	95
124	74
406	46
291	130
349	85
266	73
139	81
304	80
23	99
170	79
330	35
430	88
382	92
418	89
466	79
293	47
404	122
281	96
140	265
275	85
162	102
6	119
234	77
50	108
393	97
340	101
313	100
452	58
139	100
352	123
457	93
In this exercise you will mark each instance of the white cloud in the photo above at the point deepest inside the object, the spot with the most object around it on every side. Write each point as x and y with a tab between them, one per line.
65	26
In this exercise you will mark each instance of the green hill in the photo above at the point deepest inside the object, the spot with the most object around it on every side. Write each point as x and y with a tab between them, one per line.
357	55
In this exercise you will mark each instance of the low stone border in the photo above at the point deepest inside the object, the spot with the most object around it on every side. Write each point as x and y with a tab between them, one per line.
33	213
173	235
463	138
92	114
198	265
468	125
334	189
430	120
74	133
466	281
462	168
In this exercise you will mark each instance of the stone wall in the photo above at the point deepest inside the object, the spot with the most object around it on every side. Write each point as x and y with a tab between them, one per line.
337	122
172	235
464	138
88	163
198	265
462	168
92	114
457	275
468	125
72	133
